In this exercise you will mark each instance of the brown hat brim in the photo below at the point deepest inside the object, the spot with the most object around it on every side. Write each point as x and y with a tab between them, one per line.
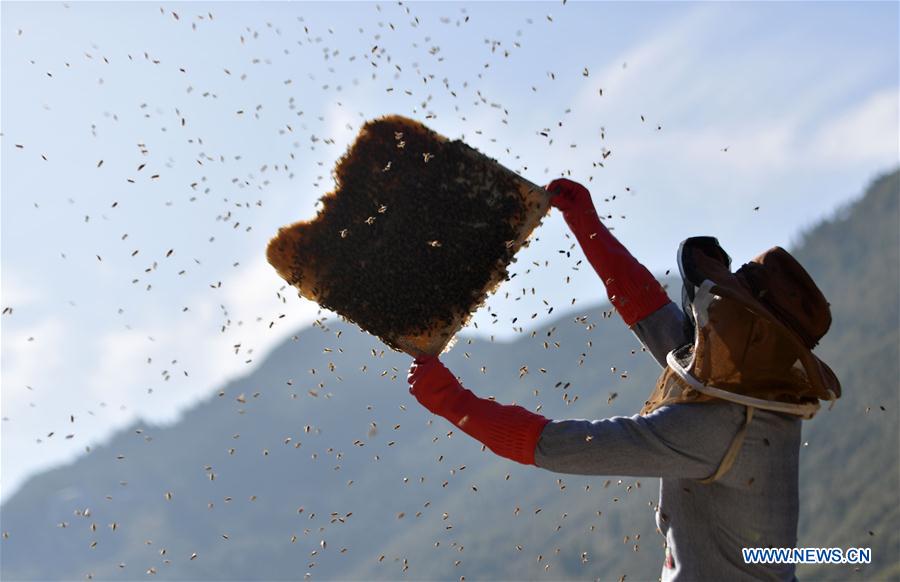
825	383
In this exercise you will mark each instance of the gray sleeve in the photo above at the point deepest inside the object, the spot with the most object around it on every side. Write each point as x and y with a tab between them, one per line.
662	331
685	441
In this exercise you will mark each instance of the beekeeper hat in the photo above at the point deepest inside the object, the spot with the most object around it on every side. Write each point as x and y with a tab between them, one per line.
753	334
755	328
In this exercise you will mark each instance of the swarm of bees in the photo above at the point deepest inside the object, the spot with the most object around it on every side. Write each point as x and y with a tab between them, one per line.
417	233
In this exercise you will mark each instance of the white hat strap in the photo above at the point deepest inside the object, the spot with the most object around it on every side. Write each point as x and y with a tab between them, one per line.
805	411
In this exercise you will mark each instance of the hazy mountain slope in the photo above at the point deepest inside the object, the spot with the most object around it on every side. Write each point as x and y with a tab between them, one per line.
384	490
850	475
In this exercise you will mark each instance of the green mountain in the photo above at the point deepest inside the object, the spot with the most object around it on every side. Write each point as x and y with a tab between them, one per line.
850	476
320	463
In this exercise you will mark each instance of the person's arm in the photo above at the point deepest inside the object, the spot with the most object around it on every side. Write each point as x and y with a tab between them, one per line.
685	441
509	431
662	331
681	441
635	293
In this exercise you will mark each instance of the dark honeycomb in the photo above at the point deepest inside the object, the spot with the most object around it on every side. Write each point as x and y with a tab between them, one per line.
413	235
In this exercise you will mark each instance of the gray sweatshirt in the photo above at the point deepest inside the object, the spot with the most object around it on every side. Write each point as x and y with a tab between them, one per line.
705	526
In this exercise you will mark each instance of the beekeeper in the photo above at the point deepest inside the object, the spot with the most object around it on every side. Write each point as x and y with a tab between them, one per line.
722	426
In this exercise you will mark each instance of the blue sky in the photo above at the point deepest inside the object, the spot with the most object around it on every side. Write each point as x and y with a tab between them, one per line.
229	118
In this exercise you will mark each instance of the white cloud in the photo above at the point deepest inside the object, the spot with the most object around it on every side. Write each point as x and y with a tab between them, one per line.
31	358
267	308
16	292
667	58
121	370
867	132
31	371
253	320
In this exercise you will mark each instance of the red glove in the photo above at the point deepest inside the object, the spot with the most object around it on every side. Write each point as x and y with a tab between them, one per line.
632	290
509	431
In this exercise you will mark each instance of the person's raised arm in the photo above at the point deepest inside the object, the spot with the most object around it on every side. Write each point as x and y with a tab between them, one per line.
635	293
632	289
